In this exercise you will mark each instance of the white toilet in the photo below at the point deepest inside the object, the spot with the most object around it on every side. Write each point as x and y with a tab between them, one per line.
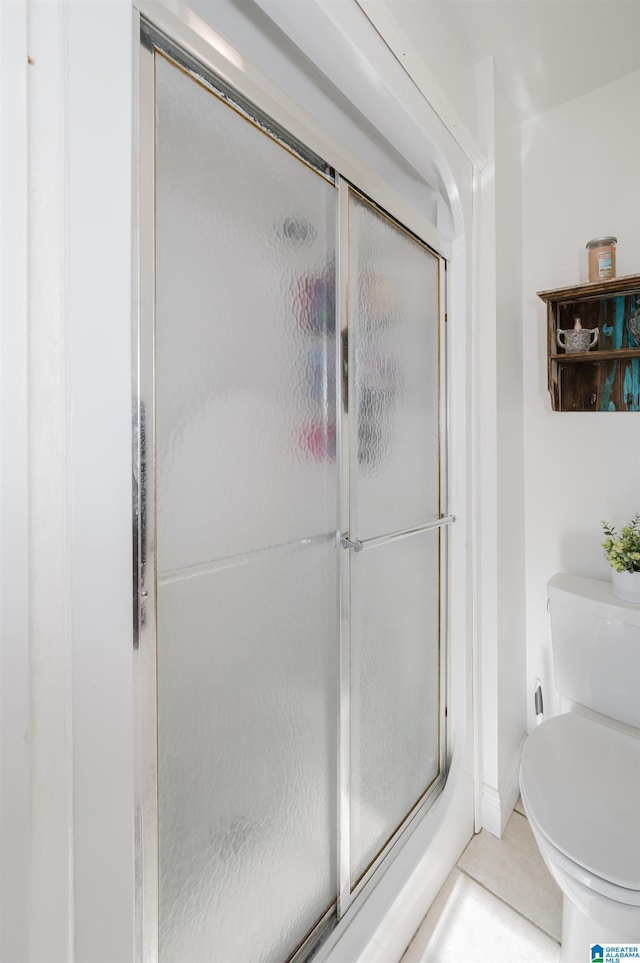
580	771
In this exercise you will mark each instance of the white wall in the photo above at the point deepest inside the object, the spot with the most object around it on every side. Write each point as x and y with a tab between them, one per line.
499	433
580	180
65	579
51	920
15	782
99	58
510	454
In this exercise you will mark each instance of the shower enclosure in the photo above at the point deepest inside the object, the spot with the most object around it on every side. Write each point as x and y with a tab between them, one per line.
291	509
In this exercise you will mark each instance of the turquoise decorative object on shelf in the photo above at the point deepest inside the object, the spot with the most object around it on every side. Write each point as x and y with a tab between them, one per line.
633	326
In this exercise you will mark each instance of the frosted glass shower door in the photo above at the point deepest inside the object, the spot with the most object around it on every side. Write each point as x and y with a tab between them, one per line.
246	522
394	422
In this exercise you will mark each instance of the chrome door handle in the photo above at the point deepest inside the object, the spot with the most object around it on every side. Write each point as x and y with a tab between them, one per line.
358	546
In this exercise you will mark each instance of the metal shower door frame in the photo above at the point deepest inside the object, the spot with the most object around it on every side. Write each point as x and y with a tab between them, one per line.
198	42
349	894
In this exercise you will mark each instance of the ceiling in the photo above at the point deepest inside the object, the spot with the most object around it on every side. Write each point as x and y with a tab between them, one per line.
549	51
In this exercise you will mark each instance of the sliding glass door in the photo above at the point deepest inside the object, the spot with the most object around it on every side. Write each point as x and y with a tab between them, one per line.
246	515
394	518
291	530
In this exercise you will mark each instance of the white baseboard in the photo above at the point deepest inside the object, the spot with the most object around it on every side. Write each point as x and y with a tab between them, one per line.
496	805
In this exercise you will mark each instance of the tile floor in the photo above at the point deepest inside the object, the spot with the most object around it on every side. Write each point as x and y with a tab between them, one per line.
498	905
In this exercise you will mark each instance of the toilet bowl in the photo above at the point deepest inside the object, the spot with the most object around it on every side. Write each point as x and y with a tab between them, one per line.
580	786
580	771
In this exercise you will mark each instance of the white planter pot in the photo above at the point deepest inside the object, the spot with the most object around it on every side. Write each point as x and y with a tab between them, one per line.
626	586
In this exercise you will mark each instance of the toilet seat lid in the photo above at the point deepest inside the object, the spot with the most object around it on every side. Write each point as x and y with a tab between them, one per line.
581	780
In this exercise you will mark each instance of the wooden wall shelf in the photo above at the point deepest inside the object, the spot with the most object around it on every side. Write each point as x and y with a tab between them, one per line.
606	378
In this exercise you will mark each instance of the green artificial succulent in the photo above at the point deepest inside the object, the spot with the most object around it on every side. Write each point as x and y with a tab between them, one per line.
622	551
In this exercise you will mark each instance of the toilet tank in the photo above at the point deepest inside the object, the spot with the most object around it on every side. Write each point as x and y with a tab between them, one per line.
596	646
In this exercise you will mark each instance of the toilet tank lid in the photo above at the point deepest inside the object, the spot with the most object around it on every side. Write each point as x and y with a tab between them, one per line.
592	595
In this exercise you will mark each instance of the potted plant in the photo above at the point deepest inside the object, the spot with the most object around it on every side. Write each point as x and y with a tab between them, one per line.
622	552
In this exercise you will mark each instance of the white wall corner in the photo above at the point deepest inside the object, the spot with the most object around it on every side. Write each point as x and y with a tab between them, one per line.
497	805
486	450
